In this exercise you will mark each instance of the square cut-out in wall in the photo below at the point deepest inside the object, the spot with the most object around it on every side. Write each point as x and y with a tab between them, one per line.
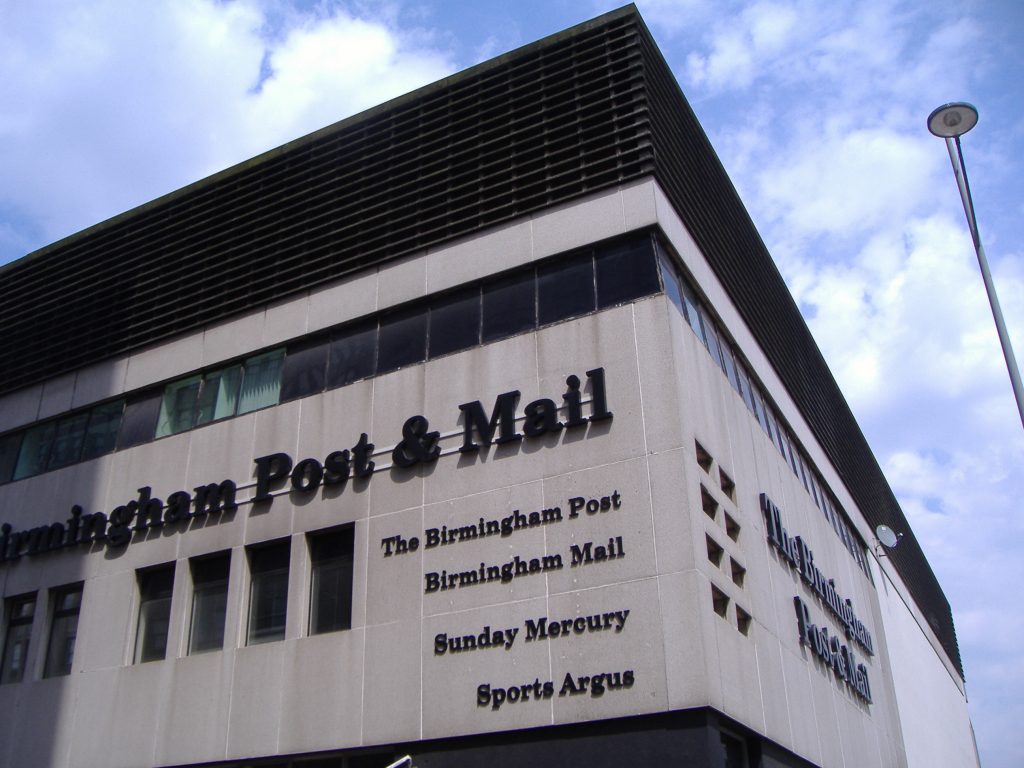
708	503
719	601
732	528
703	458
738	572
743	620
728	486
715	551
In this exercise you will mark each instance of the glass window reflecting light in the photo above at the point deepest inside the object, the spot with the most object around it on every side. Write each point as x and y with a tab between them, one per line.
209	602
268	596
19	611
331	594
60	650
155	588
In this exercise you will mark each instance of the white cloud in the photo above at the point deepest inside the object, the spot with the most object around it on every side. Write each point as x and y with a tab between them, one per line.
110	104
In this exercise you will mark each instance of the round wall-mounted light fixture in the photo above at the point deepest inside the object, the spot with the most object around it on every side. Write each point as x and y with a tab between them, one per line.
952	120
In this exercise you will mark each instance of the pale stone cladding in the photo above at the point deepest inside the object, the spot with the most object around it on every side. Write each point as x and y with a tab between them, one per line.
384	681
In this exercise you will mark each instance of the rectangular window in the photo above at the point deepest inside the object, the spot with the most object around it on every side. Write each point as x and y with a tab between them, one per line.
101	434
20	611
261	381
672	289
730	365
305	370
9	447
60	650
331	600
353	355
35	450
268	596
140	415
67	440
179	407
626	271
711	338
403	339
509	306
209	602
565	289
218	397
455	323
155	588
692	315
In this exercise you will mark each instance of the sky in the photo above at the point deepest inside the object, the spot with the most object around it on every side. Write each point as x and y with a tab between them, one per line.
816	109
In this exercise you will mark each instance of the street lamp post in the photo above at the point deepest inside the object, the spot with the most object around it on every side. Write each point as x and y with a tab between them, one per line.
950	122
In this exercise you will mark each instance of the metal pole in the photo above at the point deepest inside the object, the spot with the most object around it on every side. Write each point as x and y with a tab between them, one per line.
960	172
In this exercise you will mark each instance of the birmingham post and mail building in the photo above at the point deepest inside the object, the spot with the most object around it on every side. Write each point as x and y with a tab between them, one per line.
478	427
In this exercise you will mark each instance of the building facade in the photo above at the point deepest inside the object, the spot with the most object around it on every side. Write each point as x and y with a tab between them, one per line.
479	427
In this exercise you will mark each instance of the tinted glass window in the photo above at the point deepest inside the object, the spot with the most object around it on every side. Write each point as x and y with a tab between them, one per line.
19	630
35	450
101	434
403	339
139	422
305	370
692	315
711	338
67	440
509	306
60	650
331	608
730	366
179	407
353	355
268	596
626	271
155	587
9	447
565	289
455	323
209	603
675	293
218	397
261	381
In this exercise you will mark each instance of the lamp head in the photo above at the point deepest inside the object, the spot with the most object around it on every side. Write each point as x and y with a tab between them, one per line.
952	120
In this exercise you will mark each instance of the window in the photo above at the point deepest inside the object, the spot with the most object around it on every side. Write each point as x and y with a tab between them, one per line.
625	271
403	340
331	601
691	302
140	415
35	450
565	289
209	602
69	435
353	355
179	407
20	611
101	434
155	588
268	597
509	306
305	369
218	398
261	381
241	388
455	322
60	650
9	447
